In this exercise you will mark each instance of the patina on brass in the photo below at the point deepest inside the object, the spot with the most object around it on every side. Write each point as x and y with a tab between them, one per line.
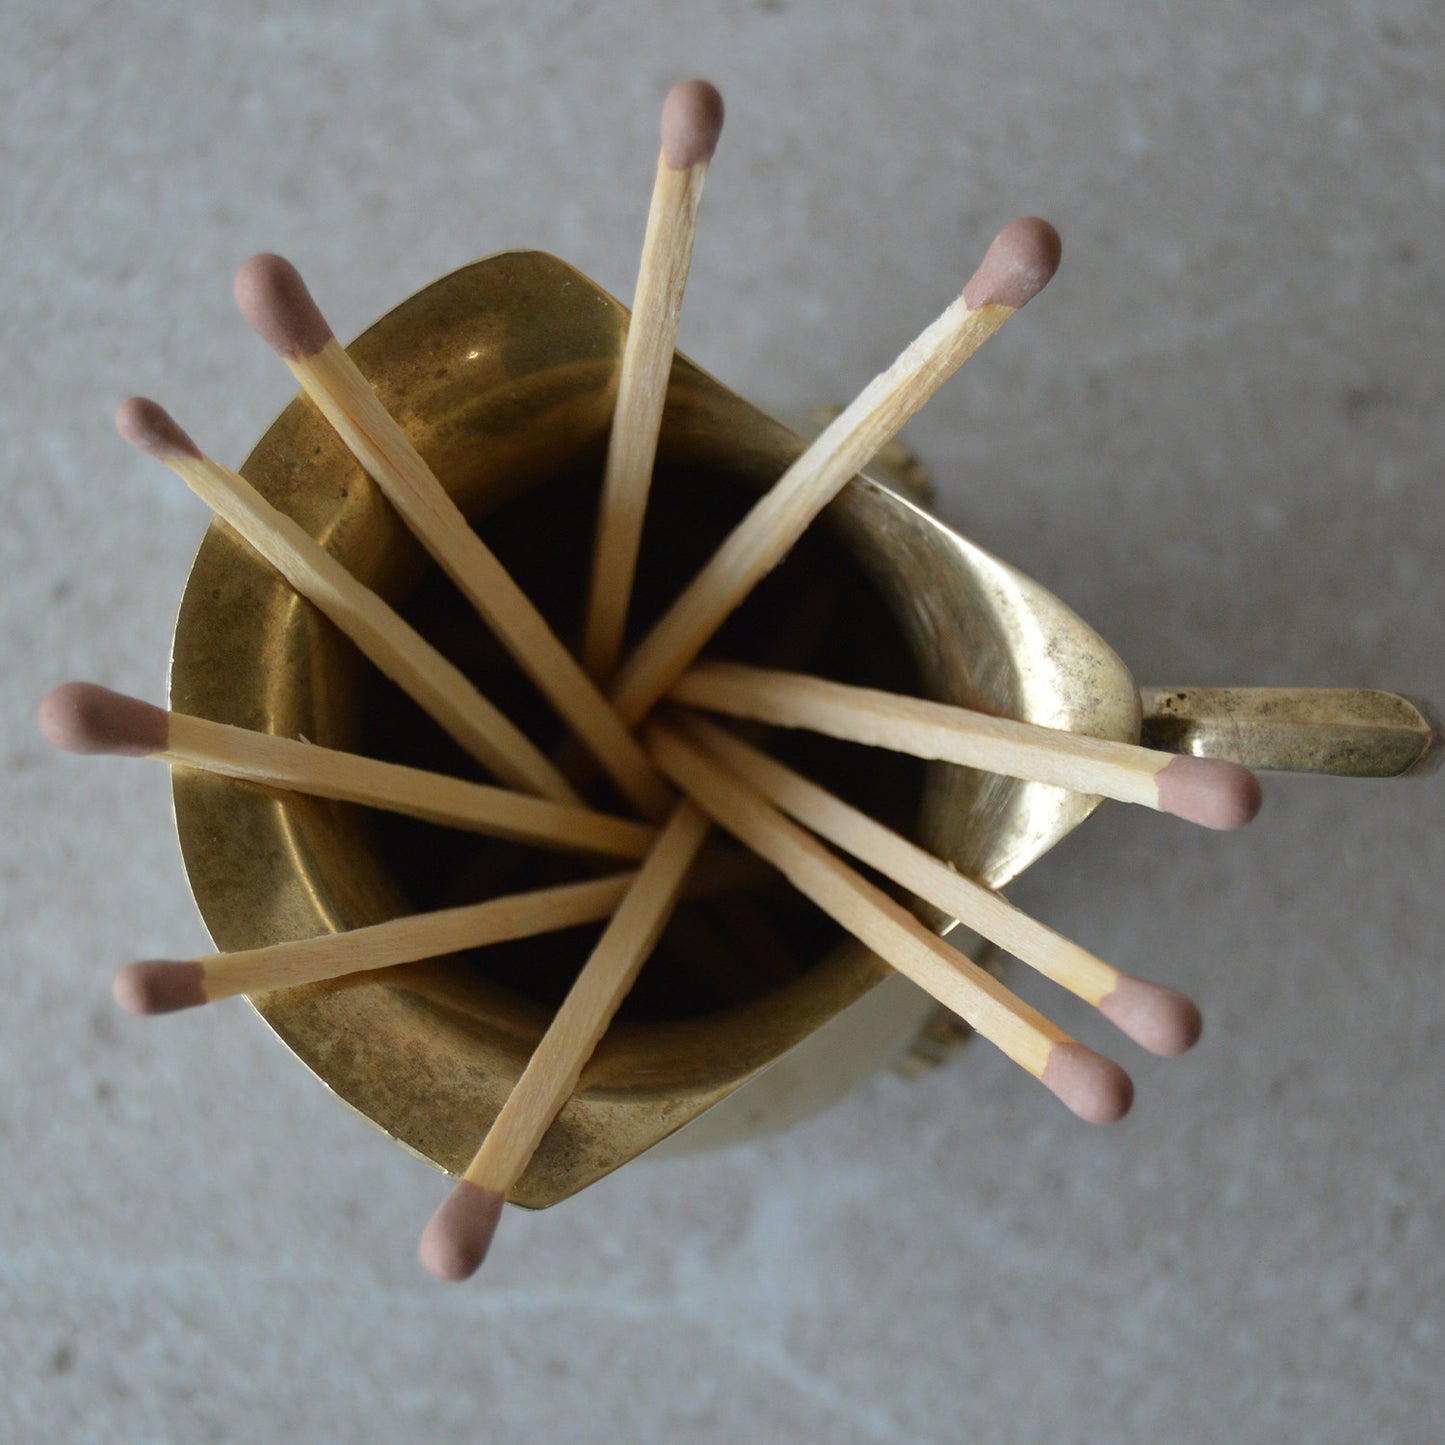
1350	732
503	374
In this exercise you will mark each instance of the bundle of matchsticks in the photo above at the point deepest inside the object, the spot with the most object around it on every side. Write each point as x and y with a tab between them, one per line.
681	774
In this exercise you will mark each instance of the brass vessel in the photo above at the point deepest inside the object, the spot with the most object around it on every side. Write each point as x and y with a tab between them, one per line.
504	375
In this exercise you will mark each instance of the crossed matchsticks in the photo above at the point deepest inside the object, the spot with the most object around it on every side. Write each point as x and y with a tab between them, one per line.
651	755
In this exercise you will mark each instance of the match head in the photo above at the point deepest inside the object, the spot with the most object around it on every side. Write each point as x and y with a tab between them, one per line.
150	428
1019	264
83	717
692	121
276	304
159	986
1159	1019
456	1240
1094	1087
1208	791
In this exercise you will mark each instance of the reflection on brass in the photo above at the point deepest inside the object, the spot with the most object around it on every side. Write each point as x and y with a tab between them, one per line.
503	375
1350	732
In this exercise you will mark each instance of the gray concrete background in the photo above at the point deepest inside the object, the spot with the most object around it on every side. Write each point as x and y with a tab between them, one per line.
1218	436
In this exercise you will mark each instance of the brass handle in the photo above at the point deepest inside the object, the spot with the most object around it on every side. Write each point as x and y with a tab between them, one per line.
1349	732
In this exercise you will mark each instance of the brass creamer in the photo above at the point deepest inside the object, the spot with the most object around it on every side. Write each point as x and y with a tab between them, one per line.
503	374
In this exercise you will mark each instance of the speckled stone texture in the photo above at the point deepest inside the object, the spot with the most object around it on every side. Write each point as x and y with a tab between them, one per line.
1218	435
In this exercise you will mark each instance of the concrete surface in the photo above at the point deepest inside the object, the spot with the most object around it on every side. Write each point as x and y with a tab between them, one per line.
1218	436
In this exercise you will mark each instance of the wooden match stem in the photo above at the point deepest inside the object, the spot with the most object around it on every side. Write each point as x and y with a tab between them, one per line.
410	939
554	1068
332	380
303	767
767	533
435	684
886	927
926	729
419	936
984	911
637	419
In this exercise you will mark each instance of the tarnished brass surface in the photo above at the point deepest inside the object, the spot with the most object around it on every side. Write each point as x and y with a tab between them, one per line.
503	374
1349	732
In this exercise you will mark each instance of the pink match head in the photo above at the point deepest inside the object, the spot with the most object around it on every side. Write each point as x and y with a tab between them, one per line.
1209	791
150	428
692	121
1016	267
1094	1087
159	986
276	304
1159	1019
456	1240
83	717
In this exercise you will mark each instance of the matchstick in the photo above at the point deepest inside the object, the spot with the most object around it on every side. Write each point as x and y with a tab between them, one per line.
456	1239
157	986
1092	1086
1208	791
1016	268
692	118
82	717
274	300
436	685
1158	1018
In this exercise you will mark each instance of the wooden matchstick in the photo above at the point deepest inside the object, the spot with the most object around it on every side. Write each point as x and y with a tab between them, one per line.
274	300
456	1239
1208	791
692	119
82	717
1016	268
1160	1019
157	986
1092	1086
439	687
